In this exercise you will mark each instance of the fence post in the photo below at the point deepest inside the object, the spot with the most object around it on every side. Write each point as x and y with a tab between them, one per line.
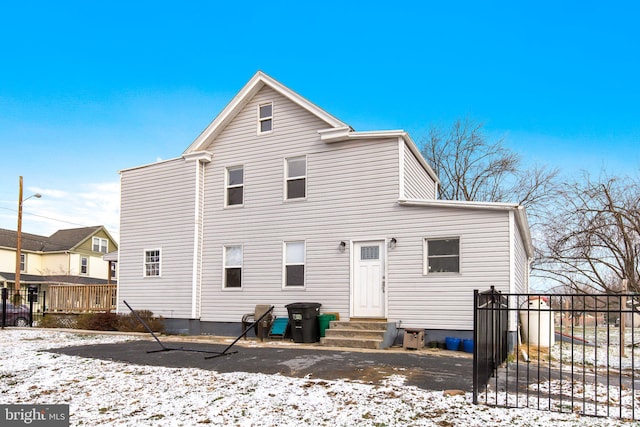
475	347
5	295
623	309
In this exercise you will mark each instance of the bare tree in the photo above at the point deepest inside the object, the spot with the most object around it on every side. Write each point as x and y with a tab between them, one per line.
592	240
471	167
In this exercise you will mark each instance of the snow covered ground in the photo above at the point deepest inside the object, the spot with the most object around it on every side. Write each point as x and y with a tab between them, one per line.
109	393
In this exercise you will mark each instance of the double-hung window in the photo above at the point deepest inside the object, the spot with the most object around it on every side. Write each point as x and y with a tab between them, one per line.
23	262
265	117
442	255
233	266
152	263
296	178
294	260
100	245
235	186
84	265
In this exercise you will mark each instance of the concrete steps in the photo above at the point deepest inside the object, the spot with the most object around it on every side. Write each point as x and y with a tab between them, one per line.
357	333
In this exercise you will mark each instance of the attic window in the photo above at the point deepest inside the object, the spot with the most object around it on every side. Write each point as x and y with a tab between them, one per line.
100	245
265	117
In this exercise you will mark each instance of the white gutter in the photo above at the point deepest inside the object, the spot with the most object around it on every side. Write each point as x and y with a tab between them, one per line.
520	213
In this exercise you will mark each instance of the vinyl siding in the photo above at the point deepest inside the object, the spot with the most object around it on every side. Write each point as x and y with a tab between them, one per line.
418	184
444	301
521	263
352	195
338	183
157	212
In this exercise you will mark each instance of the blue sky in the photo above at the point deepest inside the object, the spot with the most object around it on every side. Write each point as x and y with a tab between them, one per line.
89	88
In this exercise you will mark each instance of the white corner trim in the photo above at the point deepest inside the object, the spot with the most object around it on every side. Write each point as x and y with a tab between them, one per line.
401	169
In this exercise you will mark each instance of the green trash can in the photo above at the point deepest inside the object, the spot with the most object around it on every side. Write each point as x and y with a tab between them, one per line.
324	320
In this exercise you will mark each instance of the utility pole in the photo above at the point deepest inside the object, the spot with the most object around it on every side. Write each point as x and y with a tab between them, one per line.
18	245
16	299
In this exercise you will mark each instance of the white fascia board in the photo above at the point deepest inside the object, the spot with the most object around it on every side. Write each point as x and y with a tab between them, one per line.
149	164
257	82
520	213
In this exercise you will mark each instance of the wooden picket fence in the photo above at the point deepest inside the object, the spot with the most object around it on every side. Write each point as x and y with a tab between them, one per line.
81	298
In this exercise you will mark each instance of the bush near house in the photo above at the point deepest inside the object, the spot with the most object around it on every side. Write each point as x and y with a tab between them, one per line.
105	322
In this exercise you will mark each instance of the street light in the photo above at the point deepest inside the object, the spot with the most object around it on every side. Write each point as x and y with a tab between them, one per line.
19	239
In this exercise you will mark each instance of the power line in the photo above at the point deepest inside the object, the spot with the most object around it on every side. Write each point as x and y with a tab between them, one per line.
47	217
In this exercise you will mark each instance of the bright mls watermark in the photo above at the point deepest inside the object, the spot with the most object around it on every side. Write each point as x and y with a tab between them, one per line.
34	415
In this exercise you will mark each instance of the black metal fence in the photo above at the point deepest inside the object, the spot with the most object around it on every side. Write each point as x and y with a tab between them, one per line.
561	353
23	308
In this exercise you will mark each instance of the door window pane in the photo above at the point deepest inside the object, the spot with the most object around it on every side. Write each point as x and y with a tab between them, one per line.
370	253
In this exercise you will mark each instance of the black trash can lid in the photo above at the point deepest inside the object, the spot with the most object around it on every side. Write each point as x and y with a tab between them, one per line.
303	305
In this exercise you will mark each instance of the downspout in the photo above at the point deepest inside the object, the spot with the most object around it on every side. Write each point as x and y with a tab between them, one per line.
196	245
200	159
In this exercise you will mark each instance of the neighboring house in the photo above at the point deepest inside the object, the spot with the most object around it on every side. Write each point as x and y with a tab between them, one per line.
72	256
277	201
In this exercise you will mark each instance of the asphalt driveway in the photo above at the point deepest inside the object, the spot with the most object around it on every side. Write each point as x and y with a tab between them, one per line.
426	369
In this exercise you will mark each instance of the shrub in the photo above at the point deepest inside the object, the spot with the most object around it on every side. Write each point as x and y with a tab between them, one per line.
98	321
130	323
105	322
58	321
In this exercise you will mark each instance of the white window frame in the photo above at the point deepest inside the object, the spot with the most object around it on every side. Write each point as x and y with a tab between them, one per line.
426	257
87	266
100	245
285	264
225	266
227	186
144	262
265	118
288	178
23	262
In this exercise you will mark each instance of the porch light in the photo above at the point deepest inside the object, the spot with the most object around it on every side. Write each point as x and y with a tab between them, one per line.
342	246
392	243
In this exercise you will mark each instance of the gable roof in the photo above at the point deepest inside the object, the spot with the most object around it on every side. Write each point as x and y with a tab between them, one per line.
257	82
60	241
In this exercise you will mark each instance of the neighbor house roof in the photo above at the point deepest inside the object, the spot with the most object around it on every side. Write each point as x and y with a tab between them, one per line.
53	279
60	241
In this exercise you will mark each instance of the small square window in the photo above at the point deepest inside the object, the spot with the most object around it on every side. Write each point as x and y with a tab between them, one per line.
265	118
442	255
296	185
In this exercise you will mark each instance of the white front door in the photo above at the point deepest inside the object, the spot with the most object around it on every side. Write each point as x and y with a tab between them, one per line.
368	279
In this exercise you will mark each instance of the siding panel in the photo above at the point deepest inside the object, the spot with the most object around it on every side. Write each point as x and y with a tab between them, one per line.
157	211
418	185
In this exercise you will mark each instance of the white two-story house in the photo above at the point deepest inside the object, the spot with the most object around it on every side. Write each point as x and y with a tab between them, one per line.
277	201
